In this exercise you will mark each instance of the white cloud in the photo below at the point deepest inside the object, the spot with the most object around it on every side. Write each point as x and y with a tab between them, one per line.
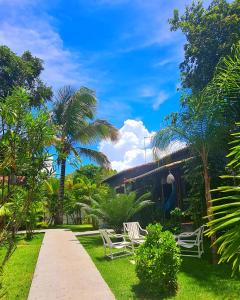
129	150
147	91
61	66
172	147
160	99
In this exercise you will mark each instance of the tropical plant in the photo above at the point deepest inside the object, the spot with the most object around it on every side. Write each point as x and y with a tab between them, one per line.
115	209
201	125
94	173
25	135
51	191
226	212
74	114
210	33
194	201
158	262
226	82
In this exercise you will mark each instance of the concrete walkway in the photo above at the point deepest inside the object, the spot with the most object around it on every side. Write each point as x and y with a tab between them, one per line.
65	271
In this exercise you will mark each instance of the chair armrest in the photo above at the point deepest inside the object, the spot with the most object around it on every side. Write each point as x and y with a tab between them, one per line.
118	236
143	230
187	234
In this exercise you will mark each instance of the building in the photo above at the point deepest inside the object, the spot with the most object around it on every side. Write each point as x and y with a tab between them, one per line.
163	178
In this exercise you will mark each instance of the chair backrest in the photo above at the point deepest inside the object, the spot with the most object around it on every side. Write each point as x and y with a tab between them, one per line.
199	234
132	229
105	237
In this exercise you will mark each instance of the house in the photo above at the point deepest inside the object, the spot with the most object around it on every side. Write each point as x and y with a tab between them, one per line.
163	178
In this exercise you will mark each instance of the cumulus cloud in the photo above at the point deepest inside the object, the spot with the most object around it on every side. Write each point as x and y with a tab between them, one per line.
129	150
134	146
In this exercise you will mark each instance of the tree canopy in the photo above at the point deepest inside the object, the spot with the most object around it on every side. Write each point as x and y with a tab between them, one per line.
210	33
24	71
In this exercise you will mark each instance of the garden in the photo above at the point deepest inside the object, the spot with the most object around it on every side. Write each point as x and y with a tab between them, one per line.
43	131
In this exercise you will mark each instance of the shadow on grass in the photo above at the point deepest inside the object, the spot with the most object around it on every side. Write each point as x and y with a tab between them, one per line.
141	293
215	278
214	281
91	241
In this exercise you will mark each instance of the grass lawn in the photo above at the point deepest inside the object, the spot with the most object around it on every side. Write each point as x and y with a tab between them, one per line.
20	267
75	228
198	279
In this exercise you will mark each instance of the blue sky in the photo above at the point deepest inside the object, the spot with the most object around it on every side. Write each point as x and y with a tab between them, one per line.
123	49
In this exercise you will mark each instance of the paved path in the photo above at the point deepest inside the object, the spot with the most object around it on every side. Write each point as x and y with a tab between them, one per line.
65	271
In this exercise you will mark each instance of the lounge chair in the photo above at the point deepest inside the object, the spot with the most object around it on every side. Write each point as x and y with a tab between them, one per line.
191	243
122	246
134	232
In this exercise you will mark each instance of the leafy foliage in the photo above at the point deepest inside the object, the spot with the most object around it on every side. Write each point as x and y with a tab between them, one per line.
158	262
115	209
210	33
25	134
226	213
93	173
23	71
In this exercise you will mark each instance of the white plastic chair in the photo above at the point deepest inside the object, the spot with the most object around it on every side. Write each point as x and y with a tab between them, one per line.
109	244
191	243
134	232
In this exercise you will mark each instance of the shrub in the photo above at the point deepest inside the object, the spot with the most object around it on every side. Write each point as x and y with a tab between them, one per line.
115	209
158	262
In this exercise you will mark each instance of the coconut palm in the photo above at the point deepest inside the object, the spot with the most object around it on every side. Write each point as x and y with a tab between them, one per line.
115	209
74	116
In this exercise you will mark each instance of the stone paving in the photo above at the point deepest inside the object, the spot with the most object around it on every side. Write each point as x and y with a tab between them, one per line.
65	271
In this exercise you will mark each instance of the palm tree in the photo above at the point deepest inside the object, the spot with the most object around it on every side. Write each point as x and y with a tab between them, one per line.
74	116
115	209
201	125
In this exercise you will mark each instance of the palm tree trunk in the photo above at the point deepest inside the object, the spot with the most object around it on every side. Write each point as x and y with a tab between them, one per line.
59	219
208	198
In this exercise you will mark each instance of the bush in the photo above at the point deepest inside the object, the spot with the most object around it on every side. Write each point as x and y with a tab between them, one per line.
158	262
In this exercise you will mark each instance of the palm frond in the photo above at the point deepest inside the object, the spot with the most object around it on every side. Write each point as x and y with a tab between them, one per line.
95	131
73	108
95	156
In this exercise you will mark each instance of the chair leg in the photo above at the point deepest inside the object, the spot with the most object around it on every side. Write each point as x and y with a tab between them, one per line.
111	253
133	249
199	251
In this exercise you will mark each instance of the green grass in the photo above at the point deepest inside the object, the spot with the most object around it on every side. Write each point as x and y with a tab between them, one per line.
75	228
198	279
19	270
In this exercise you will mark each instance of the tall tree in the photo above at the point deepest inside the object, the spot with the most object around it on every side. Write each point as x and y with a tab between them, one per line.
25	135
201	125
210	33
24	71
74	116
